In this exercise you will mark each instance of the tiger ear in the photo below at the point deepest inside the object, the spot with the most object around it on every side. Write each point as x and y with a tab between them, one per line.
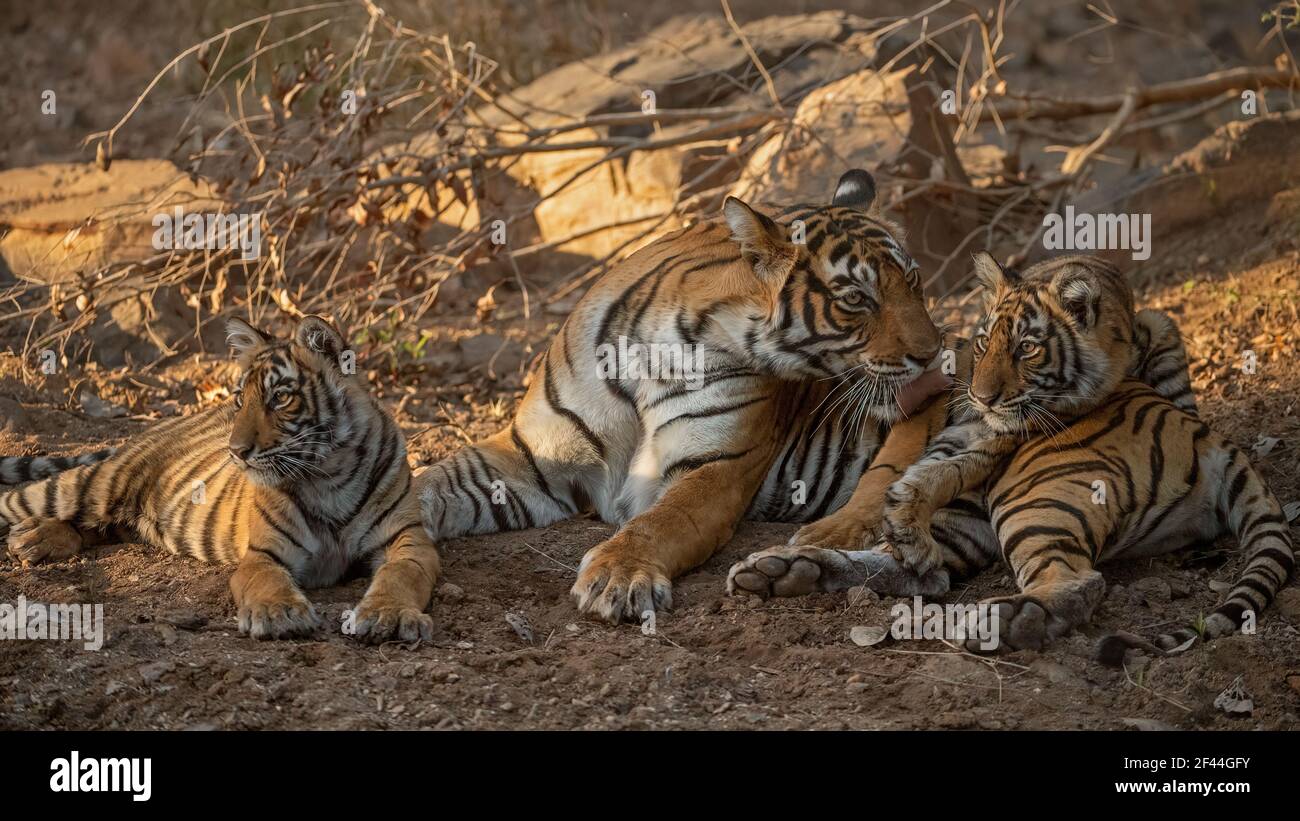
990	272
762	242
316	334
1079	294
243	337
856	189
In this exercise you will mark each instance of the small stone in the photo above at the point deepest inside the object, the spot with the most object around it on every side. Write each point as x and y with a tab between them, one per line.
155	670
184	619
854	688
114	687
1235	700
1153	590
1288	603
521	627
868	635
167	633
451	592
1293	681
464	645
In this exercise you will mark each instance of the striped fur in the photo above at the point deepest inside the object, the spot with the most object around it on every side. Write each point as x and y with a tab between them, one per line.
300	477
802	349
15	470
1078	463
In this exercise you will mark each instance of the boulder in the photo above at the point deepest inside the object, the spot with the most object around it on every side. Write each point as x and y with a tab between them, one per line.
689	62
66	219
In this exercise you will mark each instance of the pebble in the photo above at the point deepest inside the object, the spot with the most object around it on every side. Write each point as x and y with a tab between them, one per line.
155	670
451	592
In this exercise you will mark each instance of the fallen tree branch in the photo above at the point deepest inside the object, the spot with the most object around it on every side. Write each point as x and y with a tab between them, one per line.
1195	88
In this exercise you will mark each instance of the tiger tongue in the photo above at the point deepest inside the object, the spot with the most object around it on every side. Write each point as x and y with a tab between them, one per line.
914	393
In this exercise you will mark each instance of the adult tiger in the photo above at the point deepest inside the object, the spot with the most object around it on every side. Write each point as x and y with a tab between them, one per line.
792	342
302	476
1077	463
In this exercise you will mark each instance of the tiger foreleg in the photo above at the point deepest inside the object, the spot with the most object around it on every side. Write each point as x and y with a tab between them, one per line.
798	571
394	605
858	525
268	602
959	461
629	576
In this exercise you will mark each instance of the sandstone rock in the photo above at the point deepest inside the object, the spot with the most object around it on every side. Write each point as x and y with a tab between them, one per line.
688	62
68	218
887	123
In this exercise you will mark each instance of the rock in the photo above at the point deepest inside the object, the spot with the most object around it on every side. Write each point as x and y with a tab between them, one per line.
861	595
1288	603
13	417
521	627
854	688
1146	724
1235	700
114	687
1242	161
868	635
1055	672
1293	681
887	122
184	619
70	218
1153	590
98	408
153	671
688	62
451	592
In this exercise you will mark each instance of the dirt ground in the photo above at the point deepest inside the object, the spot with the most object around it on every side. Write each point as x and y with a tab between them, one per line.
173	658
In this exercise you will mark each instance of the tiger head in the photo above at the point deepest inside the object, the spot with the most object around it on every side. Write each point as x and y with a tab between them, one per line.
291	403
841	296
1055	340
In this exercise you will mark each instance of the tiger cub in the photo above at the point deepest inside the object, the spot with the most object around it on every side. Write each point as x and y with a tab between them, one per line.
750	369
1076	461
301	476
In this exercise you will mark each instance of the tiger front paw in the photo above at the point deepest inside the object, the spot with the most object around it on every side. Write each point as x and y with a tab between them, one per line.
908	539
278	618
376	621
36	541
783	571
618	586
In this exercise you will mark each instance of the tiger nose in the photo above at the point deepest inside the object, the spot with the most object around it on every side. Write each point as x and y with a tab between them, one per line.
925	358
986	399
241	451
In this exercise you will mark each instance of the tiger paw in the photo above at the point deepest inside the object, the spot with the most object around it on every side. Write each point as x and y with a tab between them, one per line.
380	621
844	531
619	587
34	541
798	571
278	619
782	572
911	543
1020	622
